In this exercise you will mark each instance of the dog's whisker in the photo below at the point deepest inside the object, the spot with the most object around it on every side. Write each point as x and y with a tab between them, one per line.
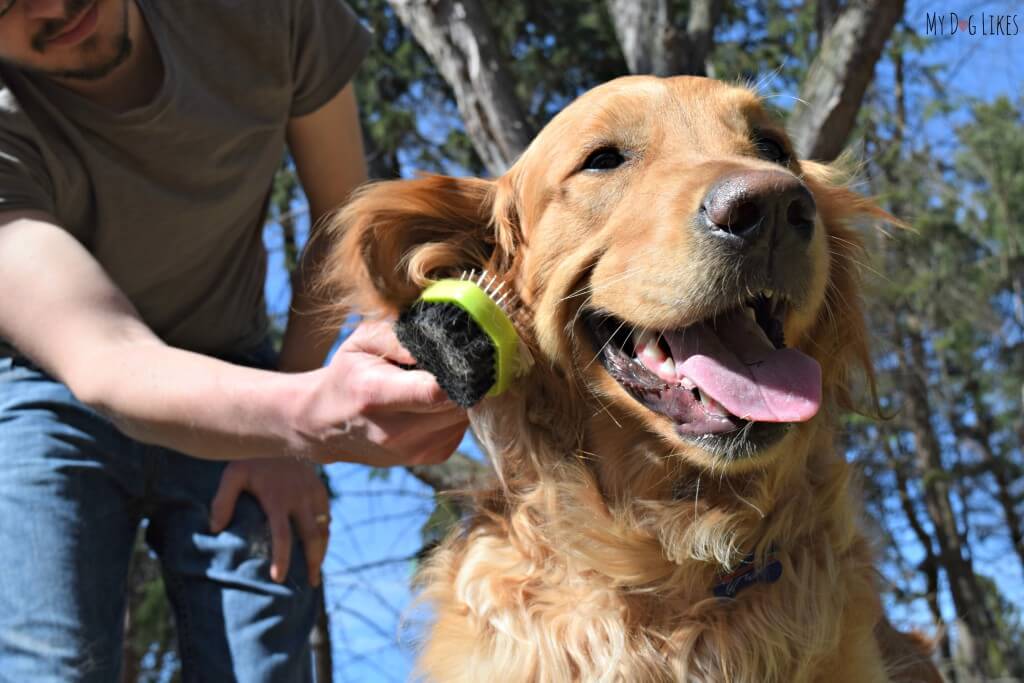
860	264
605	345
592	287
792	97
766	80
743	499
696	497
604	409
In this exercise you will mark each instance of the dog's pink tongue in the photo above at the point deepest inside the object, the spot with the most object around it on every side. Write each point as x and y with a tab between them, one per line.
736	365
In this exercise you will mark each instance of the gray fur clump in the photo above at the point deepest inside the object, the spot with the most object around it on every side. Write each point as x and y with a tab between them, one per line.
449	344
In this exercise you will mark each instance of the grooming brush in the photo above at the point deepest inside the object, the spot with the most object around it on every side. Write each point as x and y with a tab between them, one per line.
461	331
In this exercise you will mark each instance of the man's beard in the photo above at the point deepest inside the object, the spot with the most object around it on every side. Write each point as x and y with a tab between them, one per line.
98	71
122	46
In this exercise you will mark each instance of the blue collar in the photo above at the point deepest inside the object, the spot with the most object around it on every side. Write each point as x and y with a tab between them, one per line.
748	574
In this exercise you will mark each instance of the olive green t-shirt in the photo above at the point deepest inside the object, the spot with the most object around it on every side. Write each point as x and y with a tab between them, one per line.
170	197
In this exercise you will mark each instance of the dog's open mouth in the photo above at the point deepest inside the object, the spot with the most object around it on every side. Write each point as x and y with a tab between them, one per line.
725	374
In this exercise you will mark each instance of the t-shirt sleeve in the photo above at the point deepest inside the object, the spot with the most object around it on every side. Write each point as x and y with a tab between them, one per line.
25	183
328	44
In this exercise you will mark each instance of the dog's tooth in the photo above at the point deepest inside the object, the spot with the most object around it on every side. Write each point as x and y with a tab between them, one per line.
647	346
711	405
750	313
667	369
653	355
687	383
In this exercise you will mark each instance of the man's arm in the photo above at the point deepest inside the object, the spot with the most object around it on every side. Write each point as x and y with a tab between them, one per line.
70	318
327	148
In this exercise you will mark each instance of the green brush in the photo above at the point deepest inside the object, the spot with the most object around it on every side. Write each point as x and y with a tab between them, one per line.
461	332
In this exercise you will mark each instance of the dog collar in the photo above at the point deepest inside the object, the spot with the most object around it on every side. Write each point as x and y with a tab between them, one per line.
747	574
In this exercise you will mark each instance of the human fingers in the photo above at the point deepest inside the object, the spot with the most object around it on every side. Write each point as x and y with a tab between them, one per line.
402	439
314	530
280	542
438	446
395	389
222	507
404	429
377	338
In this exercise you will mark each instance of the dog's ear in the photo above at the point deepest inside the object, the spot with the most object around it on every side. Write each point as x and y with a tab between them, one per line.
841	332
394	237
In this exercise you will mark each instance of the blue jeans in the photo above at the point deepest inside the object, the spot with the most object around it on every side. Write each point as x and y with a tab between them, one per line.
73	491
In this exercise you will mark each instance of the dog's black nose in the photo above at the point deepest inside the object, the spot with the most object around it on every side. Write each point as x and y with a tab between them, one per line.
754	205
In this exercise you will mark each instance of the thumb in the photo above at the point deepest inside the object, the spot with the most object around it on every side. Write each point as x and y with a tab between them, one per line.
222	508
378	338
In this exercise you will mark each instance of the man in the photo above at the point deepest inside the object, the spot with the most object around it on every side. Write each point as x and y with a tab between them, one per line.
138	141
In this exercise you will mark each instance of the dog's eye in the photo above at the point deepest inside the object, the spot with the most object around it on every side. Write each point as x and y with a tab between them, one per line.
604	159
771	149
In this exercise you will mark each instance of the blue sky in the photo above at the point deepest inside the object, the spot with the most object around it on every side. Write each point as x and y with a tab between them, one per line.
377	520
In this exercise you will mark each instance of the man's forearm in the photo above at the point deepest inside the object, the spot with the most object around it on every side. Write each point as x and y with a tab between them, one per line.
359	408
196	404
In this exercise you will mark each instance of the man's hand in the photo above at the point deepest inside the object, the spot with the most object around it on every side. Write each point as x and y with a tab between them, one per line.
367	409
290	492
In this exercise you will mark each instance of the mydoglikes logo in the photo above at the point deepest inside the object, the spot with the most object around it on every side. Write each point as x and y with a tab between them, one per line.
951	24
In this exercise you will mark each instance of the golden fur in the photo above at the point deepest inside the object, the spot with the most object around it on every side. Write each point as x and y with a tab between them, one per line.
593	560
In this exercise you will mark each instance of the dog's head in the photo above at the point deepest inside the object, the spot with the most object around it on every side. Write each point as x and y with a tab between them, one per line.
683	274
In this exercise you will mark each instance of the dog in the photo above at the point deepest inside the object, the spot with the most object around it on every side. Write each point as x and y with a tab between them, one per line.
670	504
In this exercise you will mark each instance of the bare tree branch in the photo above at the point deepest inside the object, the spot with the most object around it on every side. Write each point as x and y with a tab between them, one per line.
651	43
834	86
460	41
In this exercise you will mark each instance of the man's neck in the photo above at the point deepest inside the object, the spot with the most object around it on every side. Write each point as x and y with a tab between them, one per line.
131	84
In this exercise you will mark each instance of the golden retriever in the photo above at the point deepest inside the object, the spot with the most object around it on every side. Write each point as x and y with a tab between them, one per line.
671	505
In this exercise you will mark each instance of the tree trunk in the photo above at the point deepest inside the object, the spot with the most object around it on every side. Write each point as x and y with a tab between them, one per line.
693	51
825	13
834	85
640	26
652	44
930	566
461	43
997	465
977	629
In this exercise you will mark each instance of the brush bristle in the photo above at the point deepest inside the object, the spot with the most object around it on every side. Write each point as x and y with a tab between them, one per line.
446	342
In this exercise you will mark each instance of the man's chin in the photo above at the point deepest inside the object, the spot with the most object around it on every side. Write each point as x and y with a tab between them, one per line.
101	68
